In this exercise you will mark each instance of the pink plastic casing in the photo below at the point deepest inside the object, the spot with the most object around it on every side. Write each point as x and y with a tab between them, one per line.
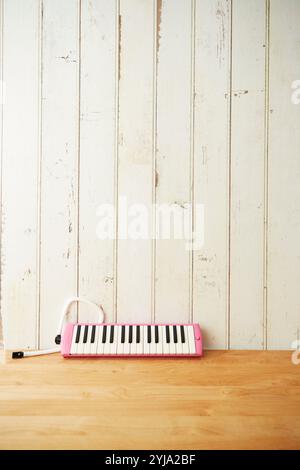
68	333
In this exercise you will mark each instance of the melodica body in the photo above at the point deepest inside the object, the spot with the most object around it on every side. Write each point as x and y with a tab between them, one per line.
131	340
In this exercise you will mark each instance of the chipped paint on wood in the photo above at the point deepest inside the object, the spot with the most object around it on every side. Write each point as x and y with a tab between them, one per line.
172	294
119	46
99	79
158	24
239	93
135	155
247	152
59	147
212	87
283	215
221	16
20	162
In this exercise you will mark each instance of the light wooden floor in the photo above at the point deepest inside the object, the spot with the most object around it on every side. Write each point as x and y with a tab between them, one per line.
227	400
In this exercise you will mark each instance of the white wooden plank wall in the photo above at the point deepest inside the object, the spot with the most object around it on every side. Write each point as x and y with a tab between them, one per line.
59	160
20	172
247	174
98	103
283	321
1	134
211	167
135	155
173	153
140	102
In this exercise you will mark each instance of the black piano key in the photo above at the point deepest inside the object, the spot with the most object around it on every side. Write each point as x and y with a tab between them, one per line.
123	334
167	333
104	334
138	334
78	334
156	333
175	334
130	334
149	334
112	329
86	329
93	334
182	334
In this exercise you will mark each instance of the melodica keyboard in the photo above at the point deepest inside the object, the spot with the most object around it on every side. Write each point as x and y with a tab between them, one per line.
120	340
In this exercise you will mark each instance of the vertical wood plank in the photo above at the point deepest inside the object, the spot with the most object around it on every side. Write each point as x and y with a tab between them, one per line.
172	299
1	152
283	318
247	174
136	26
20	172
59	162
211	167
97	149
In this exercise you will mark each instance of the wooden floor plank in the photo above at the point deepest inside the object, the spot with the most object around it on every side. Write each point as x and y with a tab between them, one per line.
227	400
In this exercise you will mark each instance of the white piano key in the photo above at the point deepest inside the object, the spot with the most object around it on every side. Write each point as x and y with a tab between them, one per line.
106	348
126	346
130	344
140	345
84	338
106	345
172	344
133	345
93	349
178	345
165	345
159	345
73	349
99	343
113	345
185	346
191	335
80	345
119	343
146	344
123	329
87	345
152	344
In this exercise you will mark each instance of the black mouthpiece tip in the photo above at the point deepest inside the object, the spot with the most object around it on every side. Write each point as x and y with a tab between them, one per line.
57	339
17	355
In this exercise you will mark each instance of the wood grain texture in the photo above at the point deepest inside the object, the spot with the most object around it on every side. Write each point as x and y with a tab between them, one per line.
59	169
173	149
211	167
227	400
98	113
135	159
1	148
284	172
20	177
247	174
